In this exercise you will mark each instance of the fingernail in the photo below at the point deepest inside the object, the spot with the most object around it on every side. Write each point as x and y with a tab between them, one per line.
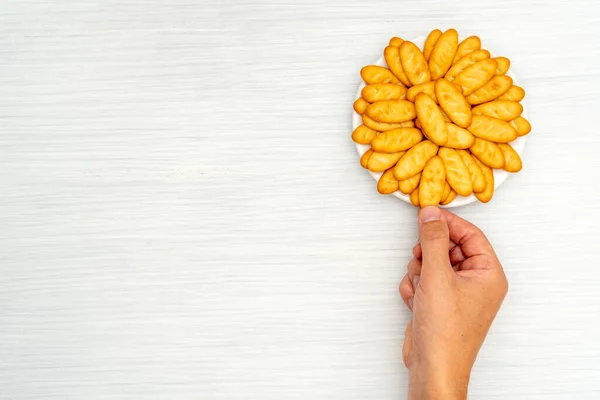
429	214
415	281
410	303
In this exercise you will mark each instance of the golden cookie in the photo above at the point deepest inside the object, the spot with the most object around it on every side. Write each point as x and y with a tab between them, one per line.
492	129
459	138
396	41
503	65
515	93
522	126
488	153
428	88
486	195
457	86
408	124
465	62
467	46
414	63
432	38
447	190
445	116
495	88
501	109
476	75
387	183
383	91
392	59
431	119
453	103
392	111
451	196
407	186
512	161
360	105
457	173
376	74
477	178
443	54
364	135
414	197
433	178
364	159
379	162
396	140
380	126
446	119
414	160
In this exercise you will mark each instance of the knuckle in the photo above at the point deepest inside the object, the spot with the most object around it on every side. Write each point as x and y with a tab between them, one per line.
500	285
414	267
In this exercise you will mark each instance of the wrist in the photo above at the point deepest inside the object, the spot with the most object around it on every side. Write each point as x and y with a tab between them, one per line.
438	383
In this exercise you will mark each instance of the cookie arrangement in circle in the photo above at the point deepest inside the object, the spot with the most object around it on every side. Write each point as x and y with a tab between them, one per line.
439	120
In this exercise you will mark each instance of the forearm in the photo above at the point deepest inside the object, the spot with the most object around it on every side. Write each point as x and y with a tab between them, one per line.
436	385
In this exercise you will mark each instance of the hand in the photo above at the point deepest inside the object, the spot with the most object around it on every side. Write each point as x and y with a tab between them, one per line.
455	286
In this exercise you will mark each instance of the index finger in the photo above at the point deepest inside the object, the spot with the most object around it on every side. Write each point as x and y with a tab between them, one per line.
471	239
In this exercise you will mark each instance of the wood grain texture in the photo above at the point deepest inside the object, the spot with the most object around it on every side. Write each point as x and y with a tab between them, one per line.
183	214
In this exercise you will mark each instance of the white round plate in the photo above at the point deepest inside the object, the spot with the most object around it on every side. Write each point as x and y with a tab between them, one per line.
499	175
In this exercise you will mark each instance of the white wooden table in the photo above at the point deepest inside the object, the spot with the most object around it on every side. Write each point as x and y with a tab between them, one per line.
183	216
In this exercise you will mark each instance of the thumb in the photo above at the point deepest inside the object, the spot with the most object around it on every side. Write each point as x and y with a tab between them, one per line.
434	237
